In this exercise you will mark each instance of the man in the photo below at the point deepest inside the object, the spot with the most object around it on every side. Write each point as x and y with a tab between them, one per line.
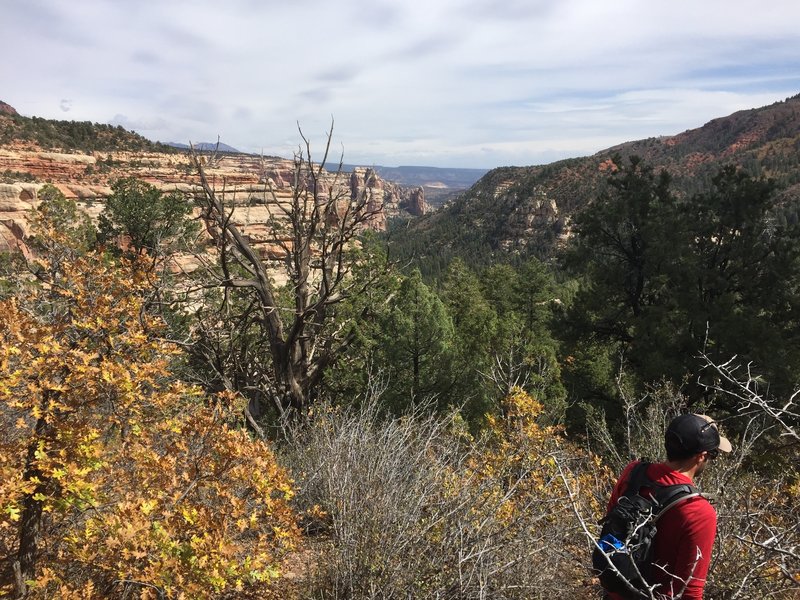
682	546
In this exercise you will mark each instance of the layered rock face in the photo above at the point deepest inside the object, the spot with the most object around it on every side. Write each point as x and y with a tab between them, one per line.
397	201
529	218
258	189
15	201
527	212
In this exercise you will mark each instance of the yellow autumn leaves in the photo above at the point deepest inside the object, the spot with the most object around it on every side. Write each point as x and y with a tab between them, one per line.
137	483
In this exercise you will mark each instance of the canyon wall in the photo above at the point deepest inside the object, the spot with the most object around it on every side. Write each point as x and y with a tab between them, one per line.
256	188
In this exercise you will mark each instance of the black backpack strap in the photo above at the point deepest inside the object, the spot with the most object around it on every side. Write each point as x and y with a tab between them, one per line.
637	479
670	495
666	496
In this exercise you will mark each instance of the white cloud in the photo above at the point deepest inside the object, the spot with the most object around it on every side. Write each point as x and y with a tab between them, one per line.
470	82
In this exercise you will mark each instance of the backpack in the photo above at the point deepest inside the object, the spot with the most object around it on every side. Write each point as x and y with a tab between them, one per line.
621	557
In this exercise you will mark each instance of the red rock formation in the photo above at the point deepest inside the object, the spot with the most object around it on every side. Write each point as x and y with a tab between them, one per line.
395	200
12	237
7	109
415	204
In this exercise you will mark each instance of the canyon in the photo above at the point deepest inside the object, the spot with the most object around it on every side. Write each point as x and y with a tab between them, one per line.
254	187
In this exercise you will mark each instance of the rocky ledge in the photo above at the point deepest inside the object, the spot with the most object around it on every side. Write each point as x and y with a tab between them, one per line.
254	186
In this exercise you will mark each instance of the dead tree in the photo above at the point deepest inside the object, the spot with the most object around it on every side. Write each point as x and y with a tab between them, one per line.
772	534
273	344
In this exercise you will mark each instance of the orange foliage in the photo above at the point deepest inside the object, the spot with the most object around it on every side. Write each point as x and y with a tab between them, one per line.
145	486
530	455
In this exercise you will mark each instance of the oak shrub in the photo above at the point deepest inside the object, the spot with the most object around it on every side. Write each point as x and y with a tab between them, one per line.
116	479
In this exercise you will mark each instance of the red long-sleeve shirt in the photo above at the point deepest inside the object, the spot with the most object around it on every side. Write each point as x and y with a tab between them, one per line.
686	532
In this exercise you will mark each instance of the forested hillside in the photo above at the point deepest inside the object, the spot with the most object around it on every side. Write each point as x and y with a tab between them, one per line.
522	211
72	135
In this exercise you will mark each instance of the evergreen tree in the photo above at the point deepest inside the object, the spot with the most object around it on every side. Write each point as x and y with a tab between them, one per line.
415	346
739	281
661	281
625	247
151	220
475	330
524	351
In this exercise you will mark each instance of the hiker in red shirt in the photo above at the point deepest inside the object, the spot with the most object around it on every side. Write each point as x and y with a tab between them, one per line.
682	545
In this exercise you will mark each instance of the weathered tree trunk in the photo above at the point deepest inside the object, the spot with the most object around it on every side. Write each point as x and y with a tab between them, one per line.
315	229
31	520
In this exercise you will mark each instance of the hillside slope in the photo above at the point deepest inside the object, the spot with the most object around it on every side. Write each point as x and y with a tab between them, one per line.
49	134
515	211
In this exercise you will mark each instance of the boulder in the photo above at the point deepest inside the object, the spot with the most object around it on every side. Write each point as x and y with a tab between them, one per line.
18	197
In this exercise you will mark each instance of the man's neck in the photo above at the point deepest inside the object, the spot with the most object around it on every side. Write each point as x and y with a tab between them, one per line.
686	467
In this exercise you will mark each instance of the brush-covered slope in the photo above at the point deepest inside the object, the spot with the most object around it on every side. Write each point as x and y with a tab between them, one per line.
49	134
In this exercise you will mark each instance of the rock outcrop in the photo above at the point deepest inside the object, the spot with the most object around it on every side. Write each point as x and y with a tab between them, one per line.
7	109
16	201
397	201
529	215
416	205
257	189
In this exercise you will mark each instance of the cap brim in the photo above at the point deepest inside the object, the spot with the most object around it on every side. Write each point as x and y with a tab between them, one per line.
724	444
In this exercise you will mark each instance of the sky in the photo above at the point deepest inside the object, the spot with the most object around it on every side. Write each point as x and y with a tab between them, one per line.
444	83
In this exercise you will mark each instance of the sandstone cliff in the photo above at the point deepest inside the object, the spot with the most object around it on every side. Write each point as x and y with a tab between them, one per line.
397	201
256	188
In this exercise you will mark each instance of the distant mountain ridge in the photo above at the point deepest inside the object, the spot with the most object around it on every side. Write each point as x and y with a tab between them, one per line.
418	175
439	183
522	210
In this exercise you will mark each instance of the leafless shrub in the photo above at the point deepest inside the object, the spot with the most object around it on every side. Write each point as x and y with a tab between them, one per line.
756	553
752	396
418	509
759	513
758	540
642	429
